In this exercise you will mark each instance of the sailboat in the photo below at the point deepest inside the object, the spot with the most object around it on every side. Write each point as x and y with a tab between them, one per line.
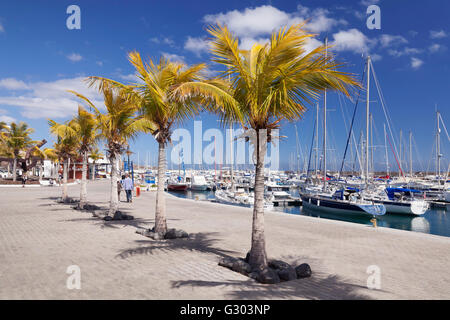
339	201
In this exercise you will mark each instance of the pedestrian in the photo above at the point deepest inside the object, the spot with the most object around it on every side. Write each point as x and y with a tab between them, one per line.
128	186
120	186
24	179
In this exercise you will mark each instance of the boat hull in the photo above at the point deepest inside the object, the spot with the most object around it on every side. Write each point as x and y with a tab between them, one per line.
199	187
416	208
177	187
340	207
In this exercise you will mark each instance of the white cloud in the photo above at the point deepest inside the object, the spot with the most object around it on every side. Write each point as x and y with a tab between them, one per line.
252	21
256	24
319	20
311	44
130	77
438	34
173	57
2	29
434	47
51	99
165	40
197	45
367	3
405	52
376	57
352	40
247	42
74	57
416	63
388	40
13	84
7	119
99	63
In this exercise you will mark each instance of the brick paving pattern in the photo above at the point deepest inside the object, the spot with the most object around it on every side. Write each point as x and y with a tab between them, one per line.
39	239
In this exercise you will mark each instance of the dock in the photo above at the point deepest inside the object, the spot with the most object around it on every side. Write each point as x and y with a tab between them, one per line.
295	202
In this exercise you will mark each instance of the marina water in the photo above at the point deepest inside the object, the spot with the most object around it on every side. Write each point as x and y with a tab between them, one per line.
435	221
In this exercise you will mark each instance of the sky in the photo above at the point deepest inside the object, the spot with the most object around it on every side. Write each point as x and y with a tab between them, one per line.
41	58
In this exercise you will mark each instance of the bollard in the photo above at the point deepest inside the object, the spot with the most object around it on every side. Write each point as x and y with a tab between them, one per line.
138	191
374	222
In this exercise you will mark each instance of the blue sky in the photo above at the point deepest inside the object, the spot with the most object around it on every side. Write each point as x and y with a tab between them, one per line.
41	58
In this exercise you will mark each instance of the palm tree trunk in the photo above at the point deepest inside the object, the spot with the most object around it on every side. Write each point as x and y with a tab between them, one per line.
83	190
14	169
160	212
258	256
114	199
93	170
64	192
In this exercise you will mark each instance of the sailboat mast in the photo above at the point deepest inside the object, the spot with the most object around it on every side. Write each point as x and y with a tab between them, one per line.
325	127
401	151
410	154
297	148
367	121
371	143
438	149
231	158
386	150
317	141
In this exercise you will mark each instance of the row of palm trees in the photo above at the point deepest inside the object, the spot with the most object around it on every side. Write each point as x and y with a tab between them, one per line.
259	88
15	141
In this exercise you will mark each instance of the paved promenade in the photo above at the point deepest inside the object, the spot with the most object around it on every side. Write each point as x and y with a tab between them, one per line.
39	239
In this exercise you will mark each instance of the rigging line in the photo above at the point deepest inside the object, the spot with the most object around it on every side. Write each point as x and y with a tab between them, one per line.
401	171
417	153
310	150
445	128
351	125
388	119
344	117
431	156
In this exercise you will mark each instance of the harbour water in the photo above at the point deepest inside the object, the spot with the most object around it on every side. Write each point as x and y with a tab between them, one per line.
434	221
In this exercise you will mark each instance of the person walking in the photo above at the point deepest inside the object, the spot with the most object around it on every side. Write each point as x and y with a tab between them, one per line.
24	179
128	186
120	186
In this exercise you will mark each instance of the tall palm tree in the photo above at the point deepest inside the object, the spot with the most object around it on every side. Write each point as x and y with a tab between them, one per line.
83	129
160	106
65	148
117	126
95	155
270	83
17	139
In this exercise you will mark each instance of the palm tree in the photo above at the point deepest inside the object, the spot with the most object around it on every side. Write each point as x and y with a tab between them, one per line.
270	83
83	129
117	126
65	148
159	104
95	155
17	139
52	155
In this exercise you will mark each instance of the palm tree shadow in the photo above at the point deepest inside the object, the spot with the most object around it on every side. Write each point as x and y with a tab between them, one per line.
318	287
200	242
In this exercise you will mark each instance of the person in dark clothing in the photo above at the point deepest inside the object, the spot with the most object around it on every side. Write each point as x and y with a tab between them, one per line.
24	180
